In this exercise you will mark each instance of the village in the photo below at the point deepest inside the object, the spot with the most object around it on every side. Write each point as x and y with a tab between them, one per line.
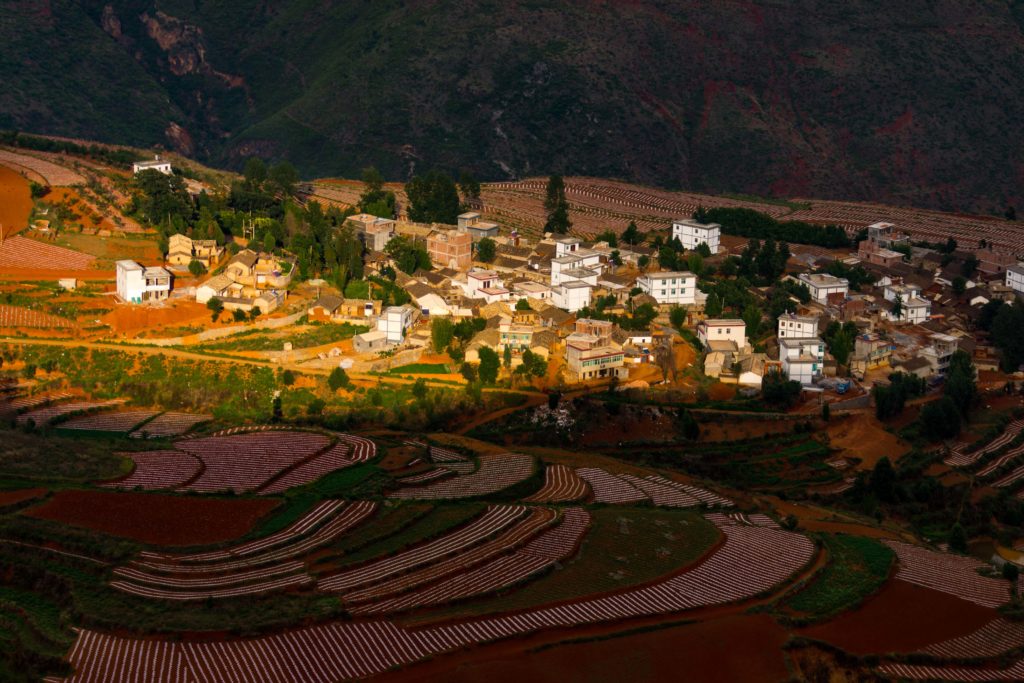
608	308
256	425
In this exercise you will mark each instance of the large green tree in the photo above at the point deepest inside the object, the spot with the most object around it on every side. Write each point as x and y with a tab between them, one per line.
433	198
556	206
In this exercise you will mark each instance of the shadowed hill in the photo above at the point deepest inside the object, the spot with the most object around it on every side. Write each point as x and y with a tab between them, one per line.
906	103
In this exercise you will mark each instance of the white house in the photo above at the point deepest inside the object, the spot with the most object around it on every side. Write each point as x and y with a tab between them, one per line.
570	255
670	287
528	289
901	291
156	164
720	329
486	285
692	234
916	310
1015	278
795	326
802	359
137	284
572	295
822	285
394	321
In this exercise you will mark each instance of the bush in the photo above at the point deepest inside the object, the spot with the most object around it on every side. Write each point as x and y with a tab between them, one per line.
287	378
196	268
338	379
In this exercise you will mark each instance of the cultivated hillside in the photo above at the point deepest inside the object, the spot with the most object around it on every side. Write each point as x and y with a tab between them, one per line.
916	102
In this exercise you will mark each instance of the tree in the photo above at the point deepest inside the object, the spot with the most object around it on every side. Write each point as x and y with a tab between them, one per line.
897	307
287	378
609	237
1010	573
409	256
486	250
239	316
778	390
316	407
255	171
196	268
703	249
284	177
958	538
468	372
826	412
695	262
523	305
374	199
469	185
556	206
442	330
959	385
883	481
255	312
713	306
687	425
489	365
752	317
677	316
215	306
507	357
940	419
960	286
969	266
419	389
269	242
615	257
433	198
338	379
631	235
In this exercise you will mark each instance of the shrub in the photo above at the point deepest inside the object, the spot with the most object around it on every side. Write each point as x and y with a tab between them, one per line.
338	379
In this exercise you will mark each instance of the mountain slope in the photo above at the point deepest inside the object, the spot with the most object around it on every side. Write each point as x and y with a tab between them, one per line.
917	102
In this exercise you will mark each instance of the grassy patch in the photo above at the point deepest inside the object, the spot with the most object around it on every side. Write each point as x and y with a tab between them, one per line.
857	568
30	458
624	547
420	369
315	335
440	521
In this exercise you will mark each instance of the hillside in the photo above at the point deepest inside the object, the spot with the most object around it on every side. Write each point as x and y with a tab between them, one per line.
903	103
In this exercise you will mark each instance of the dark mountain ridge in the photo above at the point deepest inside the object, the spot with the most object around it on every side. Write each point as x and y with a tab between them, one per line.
918	102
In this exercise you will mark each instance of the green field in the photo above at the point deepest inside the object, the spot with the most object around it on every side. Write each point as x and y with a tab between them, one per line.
624	547
313	335
420	369
857	567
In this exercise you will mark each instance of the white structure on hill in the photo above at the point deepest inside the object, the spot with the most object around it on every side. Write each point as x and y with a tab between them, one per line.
802	359
721	329
570	255
137	284
1015	278
795	326
156	164
395	321
670	287
572	295
692	234
822	285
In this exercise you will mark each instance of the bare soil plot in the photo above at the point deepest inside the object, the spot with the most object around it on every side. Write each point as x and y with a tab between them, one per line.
40	170
15	316
19	496
24	253
155	518
15	202
861	436
902	617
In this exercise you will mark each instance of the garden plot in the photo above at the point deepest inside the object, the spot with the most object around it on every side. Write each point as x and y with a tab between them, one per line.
15	316
608	488
22	252
991	640
156	470
496	472
949	574
124	421
561	485
170	424
46	415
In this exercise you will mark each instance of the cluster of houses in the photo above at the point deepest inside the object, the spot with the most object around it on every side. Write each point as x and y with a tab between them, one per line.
909	319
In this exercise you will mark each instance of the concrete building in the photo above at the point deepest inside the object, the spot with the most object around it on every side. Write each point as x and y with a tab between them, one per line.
670	287
395	321
470	222
156	164
821	285
692	234
795	326
333	308
570	255
802	359
939	353
1015	278
590	352
372	341
450	249
721	329
182	250
572	295
374	231
139	284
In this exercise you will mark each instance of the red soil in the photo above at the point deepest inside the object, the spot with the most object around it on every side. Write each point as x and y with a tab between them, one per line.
731	649
902	617
19	495
15	202
127	319
154	518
